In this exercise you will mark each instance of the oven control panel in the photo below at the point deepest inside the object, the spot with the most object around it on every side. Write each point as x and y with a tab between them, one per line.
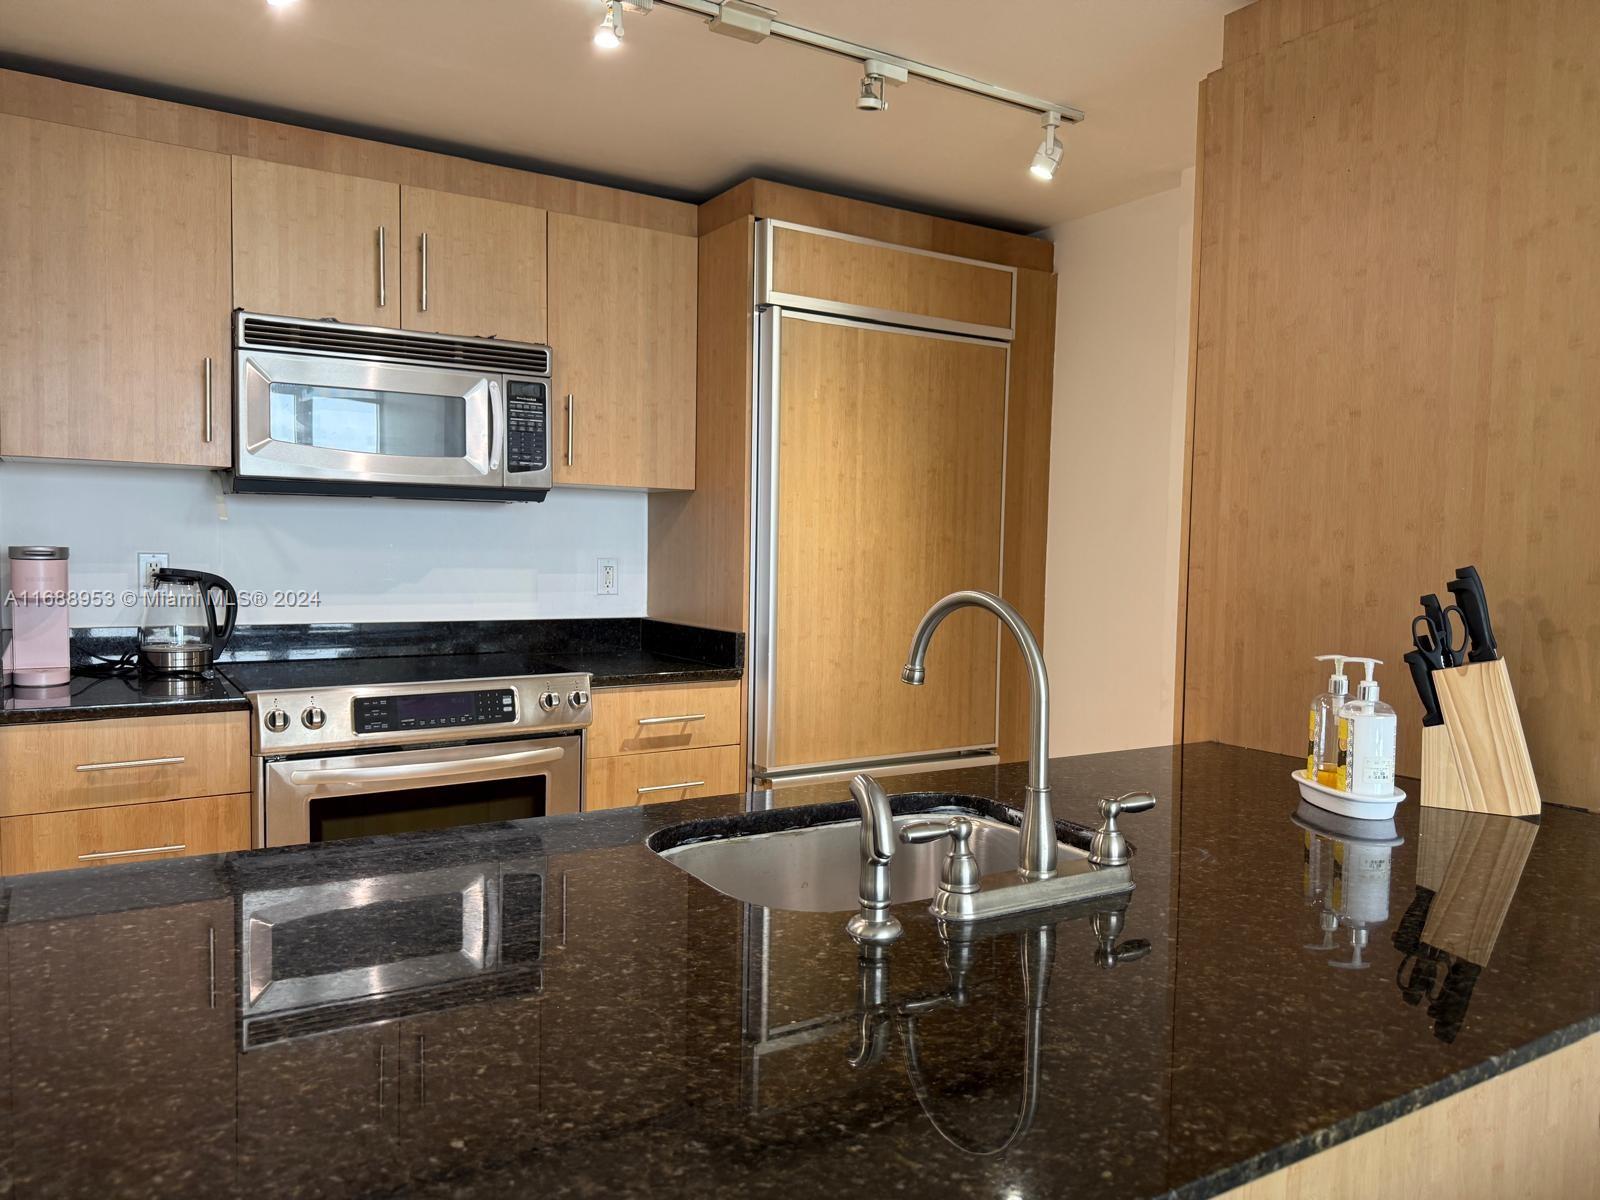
433	710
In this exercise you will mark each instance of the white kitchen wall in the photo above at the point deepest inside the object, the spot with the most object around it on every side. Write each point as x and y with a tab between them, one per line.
1116	473
367	560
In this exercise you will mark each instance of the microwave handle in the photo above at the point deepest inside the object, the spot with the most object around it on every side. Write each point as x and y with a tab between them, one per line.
496	425
413	772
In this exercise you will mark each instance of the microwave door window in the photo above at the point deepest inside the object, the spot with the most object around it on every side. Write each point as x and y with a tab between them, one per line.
363	421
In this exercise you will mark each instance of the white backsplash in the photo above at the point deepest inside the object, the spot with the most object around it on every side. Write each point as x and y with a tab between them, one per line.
366	560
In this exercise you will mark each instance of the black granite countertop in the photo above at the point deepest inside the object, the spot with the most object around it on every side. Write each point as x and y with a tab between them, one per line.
642	1034
617	652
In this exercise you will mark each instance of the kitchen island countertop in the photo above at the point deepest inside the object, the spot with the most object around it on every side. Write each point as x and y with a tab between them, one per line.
673	1041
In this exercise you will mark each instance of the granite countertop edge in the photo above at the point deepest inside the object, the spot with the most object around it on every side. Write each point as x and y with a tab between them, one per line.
1309	1145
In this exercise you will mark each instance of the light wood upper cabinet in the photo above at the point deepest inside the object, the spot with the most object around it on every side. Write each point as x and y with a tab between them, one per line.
315	244
113	295
622	332
483	271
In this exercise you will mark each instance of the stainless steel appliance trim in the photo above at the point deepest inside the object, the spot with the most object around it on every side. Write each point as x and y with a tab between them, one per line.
338	729
383	268
767	469
977	757
100	854
424	272
211	963
670	787
422	772
286	817
672	720
768	294
497	423
478	885
206	429
387	344
171	761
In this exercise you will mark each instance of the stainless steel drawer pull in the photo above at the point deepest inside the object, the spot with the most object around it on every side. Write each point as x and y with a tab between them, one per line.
132	762
207	430
211	959
131	853
671	787
383	268
424	272
672	720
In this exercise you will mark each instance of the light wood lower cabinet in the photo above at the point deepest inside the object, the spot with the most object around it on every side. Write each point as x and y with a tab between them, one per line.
97	837
648	719
631	779
113	297
64	765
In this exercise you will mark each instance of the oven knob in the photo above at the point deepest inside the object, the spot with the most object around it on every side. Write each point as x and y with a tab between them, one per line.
578	698
277	720
313	718
550	701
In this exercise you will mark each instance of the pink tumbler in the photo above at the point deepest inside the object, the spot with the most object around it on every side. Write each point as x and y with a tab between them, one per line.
40	619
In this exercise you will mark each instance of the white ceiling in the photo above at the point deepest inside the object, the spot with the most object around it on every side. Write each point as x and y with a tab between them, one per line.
678	110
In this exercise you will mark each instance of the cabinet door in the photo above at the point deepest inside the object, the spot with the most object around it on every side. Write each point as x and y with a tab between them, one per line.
122	1052
482	274
318	1115
113	297
314	244
622	332
124	833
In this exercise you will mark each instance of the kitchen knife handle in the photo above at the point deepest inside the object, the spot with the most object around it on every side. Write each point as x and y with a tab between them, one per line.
1467	588
1422	676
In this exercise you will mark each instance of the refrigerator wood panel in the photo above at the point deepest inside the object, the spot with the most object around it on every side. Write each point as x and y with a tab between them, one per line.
890	457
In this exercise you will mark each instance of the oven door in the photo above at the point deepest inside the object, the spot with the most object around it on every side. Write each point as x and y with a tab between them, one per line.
353	422
402	791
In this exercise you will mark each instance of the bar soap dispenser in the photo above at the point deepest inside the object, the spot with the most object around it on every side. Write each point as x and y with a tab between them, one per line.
1322	745
1367	740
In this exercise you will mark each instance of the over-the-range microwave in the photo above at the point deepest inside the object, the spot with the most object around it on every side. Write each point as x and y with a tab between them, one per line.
325	408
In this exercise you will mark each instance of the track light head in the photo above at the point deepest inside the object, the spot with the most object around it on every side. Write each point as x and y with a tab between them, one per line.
871	98
1048	156
609	35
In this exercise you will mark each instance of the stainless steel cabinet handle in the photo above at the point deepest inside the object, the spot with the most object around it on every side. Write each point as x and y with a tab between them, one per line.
132	762
206	433
131	853
672	720
211	962
671	787
563	942
381	1073
433	770
422	1070
424	272
569	429
383	267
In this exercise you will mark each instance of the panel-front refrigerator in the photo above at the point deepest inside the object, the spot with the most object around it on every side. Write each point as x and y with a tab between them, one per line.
878	467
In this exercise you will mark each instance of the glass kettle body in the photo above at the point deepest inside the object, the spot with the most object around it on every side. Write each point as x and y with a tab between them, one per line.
181	633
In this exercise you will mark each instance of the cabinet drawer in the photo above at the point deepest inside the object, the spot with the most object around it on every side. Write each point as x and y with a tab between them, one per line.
631	779
678	717
65	765
95	837
810	268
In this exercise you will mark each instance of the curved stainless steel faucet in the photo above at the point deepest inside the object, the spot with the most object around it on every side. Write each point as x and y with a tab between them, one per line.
1037	858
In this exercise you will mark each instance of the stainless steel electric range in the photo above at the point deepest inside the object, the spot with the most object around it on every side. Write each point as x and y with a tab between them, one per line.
353	747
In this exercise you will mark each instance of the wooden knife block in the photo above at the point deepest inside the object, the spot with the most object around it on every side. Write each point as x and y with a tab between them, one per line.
1477	761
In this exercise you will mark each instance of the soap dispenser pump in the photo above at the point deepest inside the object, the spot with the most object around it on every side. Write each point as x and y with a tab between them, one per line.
1367	739
1322	743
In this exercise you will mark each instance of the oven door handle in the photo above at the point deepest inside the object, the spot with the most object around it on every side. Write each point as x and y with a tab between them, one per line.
430	770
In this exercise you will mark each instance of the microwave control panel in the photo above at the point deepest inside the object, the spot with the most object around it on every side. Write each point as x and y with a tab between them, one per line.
527	426
433	710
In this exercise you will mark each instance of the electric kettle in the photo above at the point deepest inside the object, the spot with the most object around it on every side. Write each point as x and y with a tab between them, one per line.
180	634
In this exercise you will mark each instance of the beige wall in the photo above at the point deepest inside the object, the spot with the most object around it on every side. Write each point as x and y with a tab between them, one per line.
1116	474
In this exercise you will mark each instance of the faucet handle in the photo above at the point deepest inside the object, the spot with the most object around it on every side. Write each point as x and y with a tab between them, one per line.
960	873
1109	848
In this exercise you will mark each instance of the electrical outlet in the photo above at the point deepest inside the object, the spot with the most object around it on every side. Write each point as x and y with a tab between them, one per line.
606	584
149	564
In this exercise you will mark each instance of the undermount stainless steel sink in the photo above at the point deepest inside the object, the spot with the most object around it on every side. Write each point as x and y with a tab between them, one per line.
802	861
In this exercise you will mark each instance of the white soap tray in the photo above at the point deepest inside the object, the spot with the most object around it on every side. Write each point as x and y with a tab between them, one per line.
1363	808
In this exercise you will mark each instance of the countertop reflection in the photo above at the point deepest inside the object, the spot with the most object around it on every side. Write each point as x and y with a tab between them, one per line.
1276	982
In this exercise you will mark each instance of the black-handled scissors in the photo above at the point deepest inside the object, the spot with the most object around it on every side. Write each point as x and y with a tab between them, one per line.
1439	645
